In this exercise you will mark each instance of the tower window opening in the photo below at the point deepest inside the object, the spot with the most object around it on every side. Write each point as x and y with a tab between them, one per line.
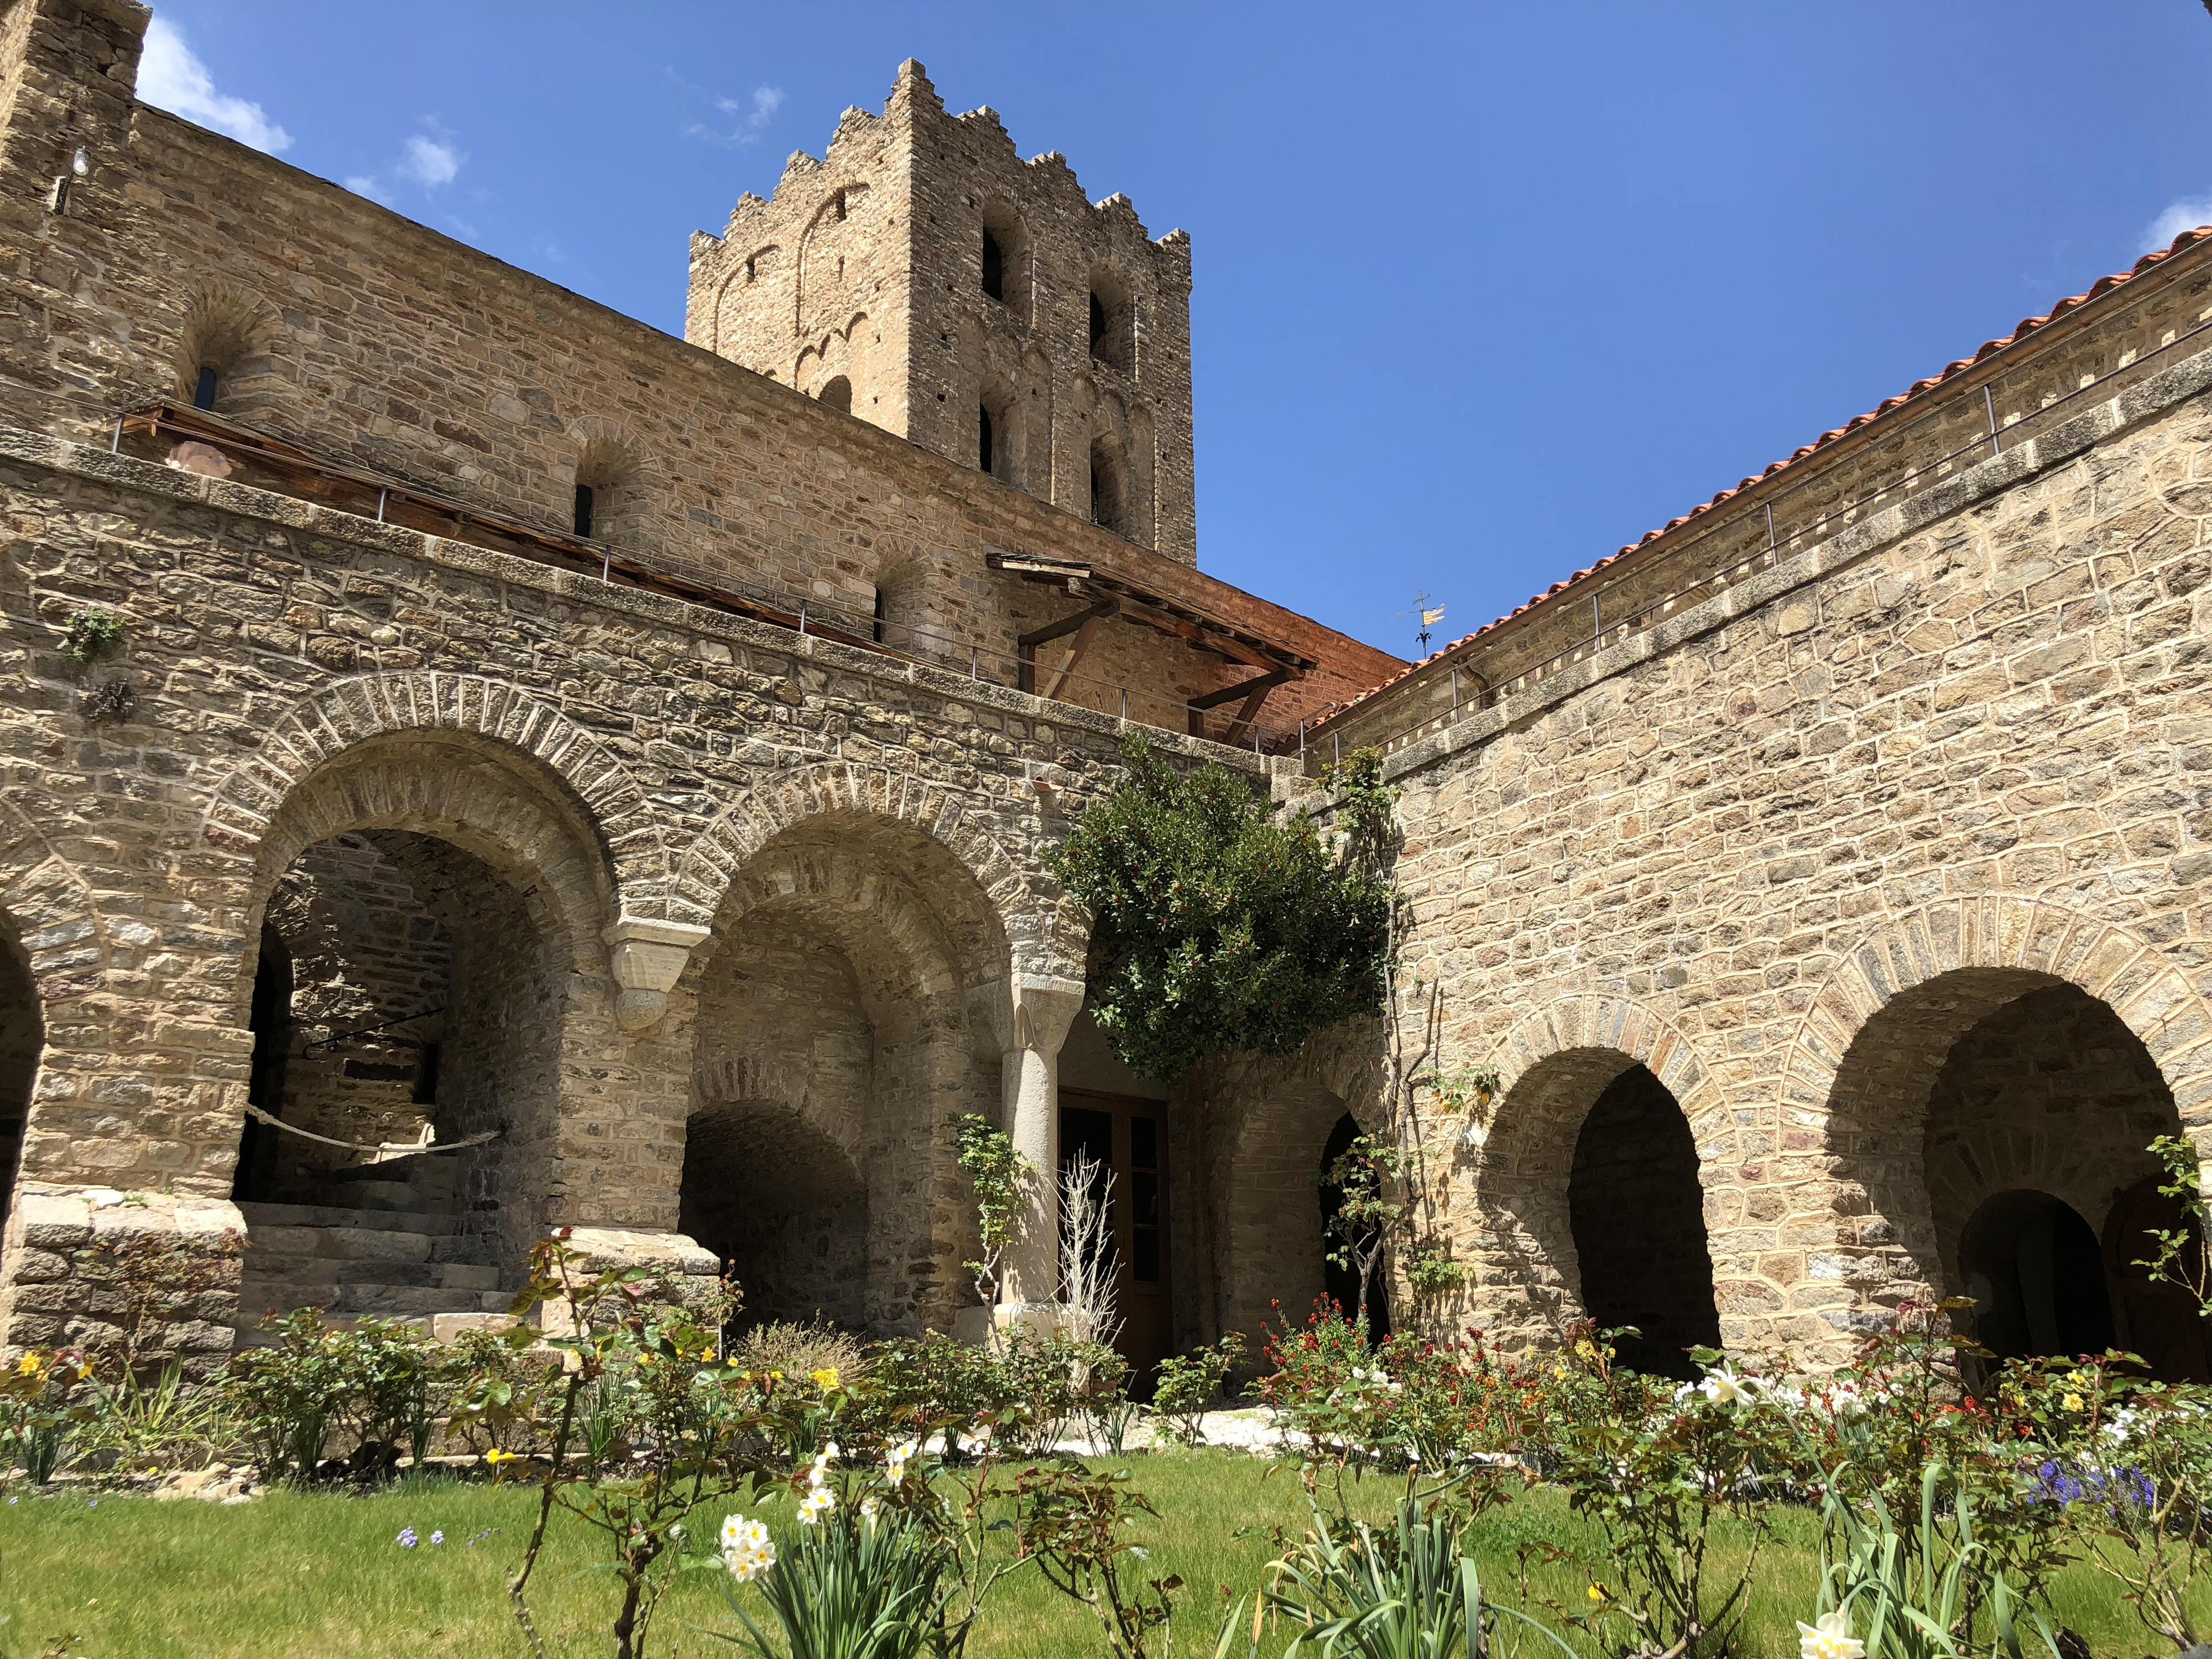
1098	324
985	449
584	511
204	388
881	618
995	268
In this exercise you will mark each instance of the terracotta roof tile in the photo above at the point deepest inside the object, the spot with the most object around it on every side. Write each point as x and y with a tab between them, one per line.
2026	325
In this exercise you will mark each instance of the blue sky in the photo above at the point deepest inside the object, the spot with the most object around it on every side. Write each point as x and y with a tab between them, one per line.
1483	291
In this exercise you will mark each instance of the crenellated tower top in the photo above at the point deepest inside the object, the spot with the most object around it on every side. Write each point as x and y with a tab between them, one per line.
924	278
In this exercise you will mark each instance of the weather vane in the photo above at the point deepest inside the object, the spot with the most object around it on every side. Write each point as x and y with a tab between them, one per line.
1430	612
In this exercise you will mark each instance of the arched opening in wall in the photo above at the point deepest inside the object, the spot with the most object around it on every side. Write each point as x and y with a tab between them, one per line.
832	1018
2037	1275
405	992
783	1204
1340	1272
608	505
22	1038
1637	1214
224	360
999	437
1003	259
1109	486
1113	320
837	392
1975	1110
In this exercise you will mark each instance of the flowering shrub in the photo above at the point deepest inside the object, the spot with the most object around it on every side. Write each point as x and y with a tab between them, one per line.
37	1415
1184	1385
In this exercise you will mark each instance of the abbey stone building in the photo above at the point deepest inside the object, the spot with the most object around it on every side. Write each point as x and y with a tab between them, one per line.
628	763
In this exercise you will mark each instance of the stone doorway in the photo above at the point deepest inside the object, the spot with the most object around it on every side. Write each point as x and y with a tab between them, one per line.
1129	1137
1637	1212
783	1205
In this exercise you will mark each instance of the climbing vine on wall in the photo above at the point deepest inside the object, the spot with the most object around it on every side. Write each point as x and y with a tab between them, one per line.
1217	925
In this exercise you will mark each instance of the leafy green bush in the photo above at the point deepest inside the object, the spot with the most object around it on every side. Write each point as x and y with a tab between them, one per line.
1214	926
38	1416
373	1386
1185	1385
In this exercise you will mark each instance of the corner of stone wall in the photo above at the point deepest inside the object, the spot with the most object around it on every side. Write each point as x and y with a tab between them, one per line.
59	1285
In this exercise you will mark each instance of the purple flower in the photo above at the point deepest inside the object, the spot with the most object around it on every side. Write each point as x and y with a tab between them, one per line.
437	1537
406	1538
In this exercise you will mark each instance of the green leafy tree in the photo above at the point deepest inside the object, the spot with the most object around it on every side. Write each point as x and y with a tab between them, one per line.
1216	926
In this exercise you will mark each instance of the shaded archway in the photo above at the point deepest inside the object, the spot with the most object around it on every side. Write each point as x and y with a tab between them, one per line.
772	1195
1340	1275
23	1037
1265	1182
1637	1212
414	997
2037	1275
833	1013
1972	1115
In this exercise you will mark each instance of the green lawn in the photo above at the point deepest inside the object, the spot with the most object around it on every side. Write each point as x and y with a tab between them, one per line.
300	1577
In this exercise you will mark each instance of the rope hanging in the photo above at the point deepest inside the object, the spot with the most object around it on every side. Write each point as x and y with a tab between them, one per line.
405	1148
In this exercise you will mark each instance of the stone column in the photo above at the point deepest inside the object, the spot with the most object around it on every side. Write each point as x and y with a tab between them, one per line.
1038	1011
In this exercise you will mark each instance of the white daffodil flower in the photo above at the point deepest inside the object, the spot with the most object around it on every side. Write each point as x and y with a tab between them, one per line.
1828	1638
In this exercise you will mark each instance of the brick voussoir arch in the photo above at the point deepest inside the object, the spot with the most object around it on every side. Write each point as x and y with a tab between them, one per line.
2021	936
52	909
1044	932
335	718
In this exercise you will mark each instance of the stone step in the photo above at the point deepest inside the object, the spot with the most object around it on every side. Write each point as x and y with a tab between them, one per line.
331	1215
340	1243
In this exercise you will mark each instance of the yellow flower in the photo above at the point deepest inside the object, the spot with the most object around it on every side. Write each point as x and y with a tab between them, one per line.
1586	1348
2072	1402
1560	1371
28	1366
824	1378
1596	1592
495	1456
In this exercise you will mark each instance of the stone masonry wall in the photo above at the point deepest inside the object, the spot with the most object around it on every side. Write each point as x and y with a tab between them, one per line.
1788	848
637	761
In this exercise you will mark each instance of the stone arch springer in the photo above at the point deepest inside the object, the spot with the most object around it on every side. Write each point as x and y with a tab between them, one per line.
1044	931
646	947
2151	996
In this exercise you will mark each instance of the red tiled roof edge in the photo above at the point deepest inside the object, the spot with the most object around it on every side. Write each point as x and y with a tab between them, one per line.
2028	325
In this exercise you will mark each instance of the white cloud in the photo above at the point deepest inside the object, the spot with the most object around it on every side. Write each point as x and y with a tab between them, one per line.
2187	214
169	75
366	184
755	113
430	162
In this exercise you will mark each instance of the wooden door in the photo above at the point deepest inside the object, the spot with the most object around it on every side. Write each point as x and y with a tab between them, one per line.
1130	1138
2158	1321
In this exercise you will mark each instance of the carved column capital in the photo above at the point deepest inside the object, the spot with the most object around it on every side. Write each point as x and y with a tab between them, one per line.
647	957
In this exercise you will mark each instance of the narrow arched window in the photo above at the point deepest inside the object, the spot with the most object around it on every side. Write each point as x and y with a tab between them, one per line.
1113	321
986	455
584	511
1108	496
995	268
204	388
1098	324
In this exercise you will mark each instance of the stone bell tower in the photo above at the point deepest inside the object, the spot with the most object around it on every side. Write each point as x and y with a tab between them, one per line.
925	278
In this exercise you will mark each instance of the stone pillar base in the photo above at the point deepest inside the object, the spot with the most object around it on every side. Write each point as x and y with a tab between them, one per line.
979	1327
61	1285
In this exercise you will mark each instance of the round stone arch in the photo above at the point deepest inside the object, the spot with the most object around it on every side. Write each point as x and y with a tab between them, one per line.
606	802
1867	1058
1554	1065
832	1008
1027	924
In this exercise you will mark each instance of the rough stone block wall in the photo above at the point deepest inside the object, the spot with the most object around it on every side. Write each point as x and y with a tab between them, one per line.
1788	848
